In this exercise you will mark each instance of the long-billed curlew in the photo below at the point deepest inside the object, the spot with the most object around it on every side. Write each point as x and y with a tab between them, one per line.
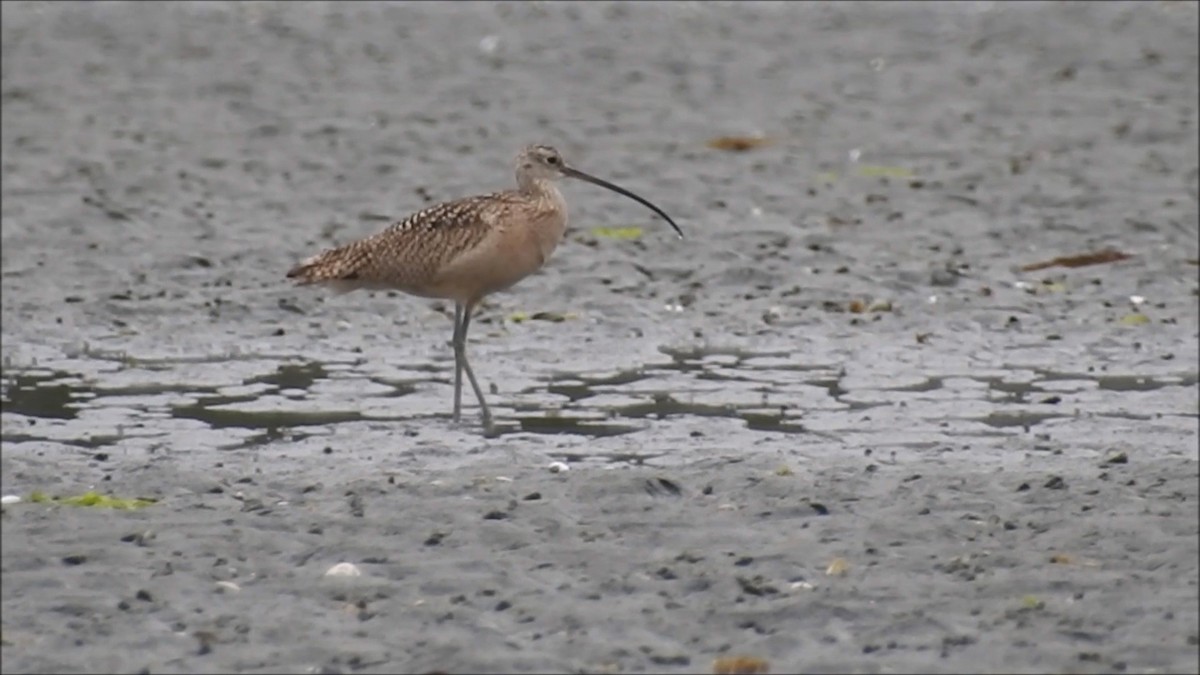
463	250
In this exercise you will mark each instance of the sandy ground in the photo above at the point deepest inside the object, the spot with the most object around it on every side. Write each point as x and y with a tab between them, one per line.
989	469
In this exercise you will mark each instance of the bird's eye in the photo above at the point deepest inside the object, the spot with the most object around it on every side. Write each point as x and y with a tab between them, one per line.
552	159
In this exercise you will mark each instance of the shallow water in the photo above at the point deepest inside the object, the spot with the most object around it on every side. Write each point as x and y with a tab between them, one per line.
248	402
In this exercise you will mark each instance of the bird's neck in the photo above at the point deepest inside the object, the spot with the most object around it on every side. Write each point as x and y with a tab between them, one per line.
536	186
543	190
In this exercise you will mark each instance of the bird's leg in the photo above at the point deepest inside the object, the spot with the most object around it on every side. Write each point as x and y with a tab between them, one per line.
458	339
461	363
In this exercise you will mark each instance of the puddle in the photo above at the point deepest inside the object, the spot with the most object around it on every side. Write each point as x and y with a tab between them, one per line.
930	384
293	376
1013	392
1025	420
699	352
577	387
86	442
1123	382
834	387
44	396
1134	383
776	423
220	418
398	387
553	424
662	406
612	458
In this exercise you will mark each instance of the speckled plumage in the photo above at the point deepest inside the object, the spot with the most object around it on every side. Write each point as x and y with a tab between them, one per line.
417	255
463	250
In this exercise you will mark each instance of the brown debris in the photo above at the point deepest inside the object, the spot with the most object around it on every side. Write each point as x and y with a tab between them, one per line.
740	665
859	306
738	143
1095	258
838	567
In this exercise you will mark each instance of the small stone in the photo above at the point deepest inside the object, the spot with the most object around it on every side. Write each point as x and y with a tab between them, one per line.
344	570
943	277
1055	483
880	306
10	499
1117	457
662	486
558	467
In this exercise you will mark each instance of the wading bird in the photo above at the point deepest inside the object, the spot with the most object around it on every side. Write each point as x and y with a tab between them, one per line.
464	250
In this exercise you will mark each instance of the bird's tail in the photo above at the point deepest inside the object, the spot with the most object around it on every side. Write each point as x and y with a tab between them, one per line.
337	267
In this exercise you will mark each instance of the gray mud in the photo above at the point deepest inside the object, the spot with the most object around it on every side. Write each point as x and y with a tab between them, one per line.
998	466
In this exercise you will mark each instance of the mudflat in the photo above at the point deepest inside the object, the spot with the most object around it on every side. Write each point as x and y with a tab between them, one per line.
918	392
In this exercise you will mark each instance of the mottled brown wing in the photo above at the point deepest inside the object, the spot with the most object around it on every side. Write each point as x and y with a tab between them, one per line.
409	253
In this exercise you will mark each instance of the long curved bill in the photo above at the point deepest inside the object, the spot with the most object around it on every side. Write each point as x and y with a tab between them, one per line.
575	173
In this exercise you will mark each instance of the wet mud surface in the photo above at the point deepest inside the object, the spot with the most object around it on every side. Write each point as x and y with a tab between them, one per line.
838	427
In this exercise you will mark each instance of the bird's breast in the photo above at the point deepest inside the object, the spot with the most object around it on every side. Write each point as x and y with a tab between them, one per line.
547	232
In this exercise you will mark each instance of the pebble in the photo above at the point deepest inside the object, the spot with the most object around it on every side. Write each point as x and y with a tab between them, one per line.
489	43
344	570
